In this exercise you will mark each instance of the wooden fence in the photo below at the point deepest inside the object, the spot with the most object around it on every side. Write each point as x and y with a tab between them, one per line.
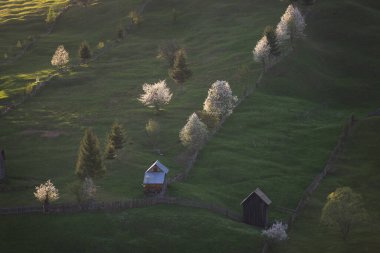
327	168
122	205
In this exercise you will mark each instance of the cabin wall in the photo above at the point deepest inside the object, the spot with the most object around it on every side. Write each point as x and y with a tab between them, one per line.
255	212
153	187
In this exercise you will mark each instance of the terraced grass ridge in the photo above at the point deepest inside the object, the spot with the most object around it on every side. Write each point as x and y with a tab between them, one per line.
278	139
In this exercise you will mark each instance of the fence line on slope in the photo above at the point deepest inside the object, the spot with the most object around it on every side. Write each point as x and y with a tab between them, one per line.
122	205
329	166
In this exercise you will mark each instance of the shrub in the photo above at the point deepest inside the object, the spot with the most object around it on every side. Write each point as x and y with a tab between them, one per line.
152	129
276	233
84	52
167	51
135	17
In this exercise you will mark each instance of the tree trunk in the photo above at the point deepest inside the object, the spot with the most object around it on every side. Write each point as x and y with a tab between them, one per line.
46	205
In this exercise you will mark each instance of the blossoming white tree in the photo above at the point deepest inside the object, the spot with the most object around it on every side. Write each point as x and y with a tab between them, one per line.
277	232
46	193
156	94
194	133
220	101
291	26
88	190
261	52
60	57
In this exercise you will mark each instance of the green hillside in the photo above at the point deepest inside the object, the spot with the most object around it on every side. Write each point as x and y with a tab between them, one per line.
358	168
278	139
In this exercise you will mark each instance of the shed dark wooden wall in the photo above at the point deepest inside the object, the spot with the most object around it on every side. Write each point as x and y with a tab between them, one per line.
255	211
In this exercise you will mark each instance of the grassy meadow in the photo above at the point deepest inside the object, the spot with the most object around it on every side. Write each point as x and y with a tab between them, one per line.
358	170
278	139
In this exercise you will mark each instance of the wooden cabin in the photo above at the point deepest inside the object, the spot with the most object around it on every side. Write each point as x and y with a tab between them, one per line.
2	164
155	178
255	208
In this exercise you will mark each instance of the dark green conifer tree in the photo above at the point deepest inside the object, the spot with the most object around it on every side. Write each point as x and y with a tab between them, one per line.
110	151
270	33
84	52
180	72
116	137
90	162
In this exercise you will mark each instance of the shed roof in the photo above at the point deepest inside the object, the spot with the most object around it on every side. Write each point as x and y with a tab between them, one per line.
155	177
261	195
162	167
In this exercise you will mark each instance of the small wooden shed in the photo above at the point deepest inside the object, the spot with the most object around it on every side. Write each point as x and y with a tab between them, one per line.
255	208
155	178
2	164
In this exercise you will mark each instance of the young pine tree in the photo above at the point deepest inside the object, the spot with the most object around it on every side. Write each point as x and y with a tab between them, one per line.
180	72
90	162
84	52
110	151
270	34
116	137
135	18
121	32
51	16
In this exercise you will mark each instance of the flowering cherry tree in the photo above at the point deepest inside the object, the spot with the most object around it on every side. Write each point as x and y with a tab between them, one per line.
46	193
220	101
156	95
194	133
291	26
60	57
262	51
277	232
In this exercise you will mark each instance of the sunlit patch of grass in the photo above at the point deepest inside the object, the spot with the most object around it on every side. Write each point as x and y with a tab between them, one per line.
13	85
19	10
3	94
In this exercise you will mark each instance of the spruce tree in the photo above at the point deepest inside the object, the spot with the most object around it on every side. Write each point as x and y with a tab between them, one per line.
110	151
51	16
180	72
90	162
84	52
116	137
270	34
121	32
